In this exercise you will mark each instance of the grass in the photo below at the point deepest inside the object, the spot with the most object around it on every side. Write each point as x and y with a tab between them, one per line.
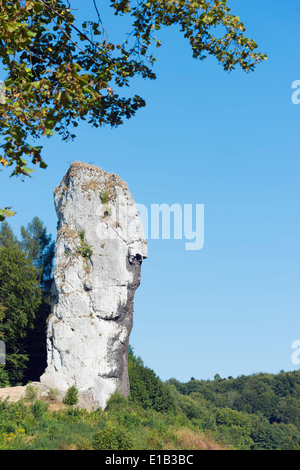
123	426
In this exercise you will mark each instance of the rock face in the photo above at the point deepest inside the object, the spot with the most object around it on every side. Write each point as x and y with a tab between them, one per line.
99	250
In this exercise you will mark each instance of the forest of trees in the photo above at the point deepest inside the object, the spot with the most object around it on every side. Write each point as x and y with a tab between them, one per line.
259	411
25	280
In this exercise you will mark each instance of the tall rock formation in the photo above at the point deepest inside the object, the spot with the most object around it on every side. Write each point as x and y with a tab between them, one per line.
99	250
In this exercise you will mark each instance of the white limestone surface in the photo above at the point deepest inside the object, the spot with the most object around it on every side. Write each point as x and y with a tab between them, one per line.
99	250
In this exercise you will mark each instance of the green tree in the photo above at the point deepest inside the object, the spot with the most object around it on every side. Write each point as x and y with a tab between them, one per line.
288	411
2	315
21	296
275	436
59	73
71	396
7	237
40	250
146	388
4	379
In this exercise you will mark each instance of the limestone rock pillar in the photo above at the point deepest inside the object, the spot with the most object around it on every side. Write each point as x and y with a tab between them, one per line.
99	250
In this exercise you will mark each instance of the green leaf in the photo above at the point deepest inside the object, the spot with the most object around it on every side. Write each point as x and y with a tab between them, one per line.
31	34
38	8
27	171
6	213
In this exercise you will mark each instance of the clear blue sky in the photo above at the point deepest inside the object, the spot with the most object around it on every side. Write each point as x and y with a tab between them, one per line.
230	142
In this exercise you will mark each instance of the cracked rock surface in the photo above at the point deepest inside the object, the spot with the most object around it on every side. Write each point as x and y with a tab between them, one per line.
99	251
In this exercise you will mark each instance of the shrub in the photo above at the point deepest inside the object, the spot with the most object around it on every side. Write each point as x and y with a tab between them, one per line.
85	250
104	197
8	427
31	393
52	394
13	440
39	409
4	379
71	397
116	401
112	439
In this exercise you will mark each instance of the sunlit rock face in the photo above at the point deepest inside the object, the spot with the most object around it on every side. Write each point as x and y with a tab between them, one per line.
99	251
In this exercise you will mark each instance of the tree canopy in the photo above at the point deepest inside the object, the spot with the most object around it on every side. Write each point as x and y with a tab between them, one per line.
21	297
58	72
40	250
25	281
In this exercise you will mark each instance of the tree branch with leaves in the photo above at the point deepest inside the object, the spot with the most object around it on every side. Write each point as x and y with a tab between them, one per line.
58	74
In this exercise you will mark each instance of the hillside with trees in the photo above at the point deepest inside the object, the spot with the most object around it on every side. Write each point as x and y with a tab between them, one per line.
260	411
197	415
25	280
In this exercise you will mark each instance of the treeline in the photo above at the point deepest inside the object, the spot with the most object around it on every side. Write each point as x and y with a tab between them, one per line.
26	265
218	414
260	411
256	412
